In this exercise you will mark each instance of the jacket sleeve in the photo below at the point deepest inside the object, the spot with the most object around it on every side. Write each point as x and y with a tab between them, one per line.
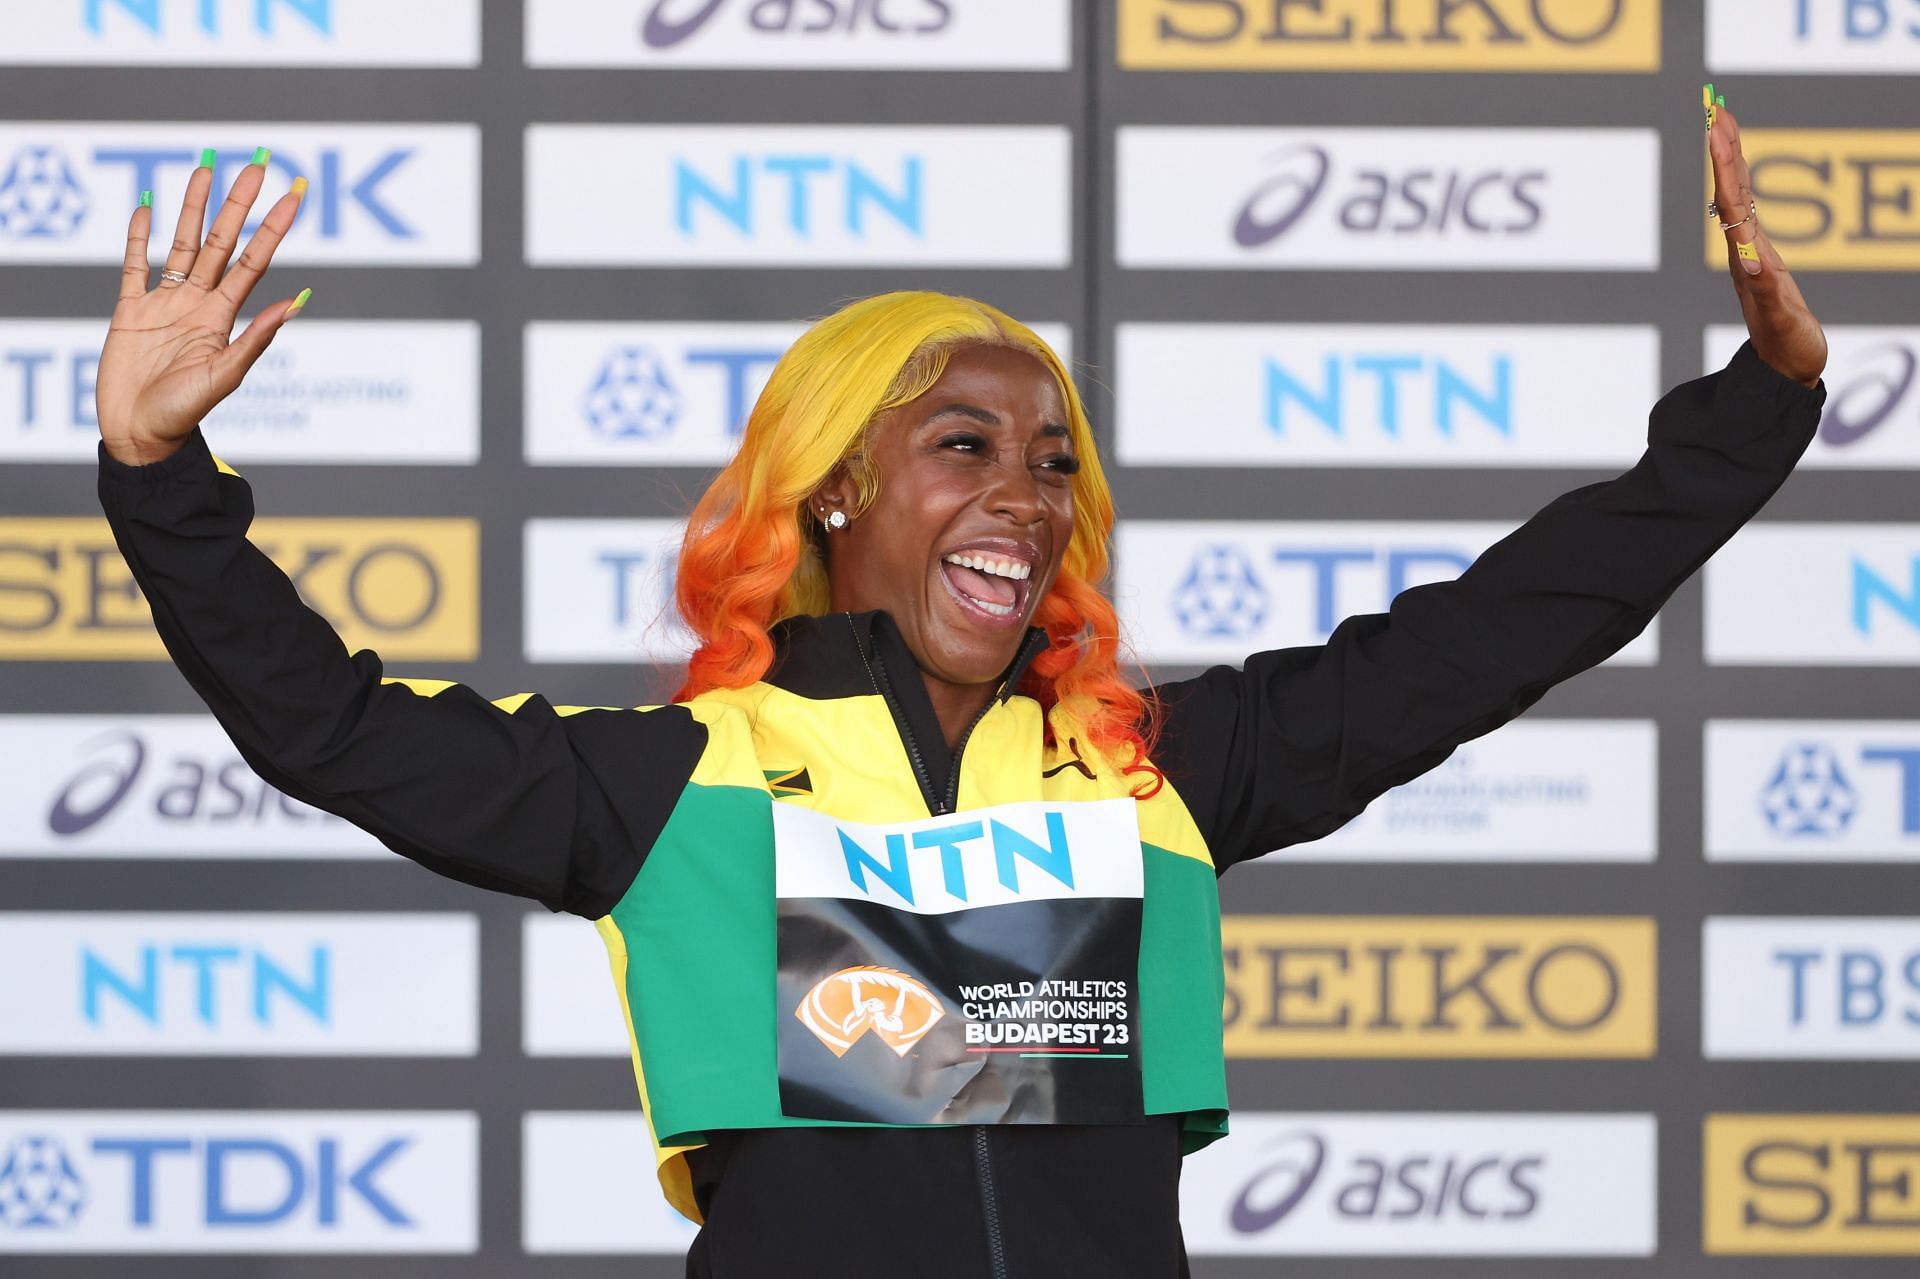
513	796
1302	739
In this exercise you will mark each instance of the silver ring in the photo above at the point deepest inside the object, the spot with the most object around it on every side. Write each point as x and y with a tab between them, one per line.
173	277
1753	211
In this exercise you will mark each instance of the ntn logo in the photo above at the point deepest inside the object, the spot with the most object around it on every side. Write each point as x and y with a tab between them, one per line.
1902	598
1388	379
218	979
210	17
759	192
957	844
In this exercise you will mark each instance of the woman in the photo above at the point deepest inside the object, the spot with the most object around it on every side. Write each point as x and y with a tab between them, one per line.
910	896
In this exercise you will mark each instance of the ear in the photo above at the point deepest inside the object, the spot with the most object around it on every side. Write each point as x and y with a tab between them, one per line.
836	493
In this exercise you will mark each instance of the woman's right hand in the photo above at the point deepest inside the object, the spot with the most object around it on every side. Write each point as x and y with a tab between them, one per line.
169	357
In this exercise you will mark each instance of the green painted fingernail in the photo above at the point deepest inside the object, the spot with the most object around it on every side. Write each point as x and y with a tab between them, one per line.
207	157
1721	99
146	199
260	155
299	301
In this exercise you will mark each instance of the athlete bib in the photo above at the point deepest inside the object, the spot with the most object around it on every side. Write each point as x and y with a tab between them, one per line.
976	968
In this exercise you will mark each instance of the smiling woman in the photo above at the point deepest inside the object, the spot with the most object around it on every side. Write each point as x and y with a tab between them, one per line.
910	897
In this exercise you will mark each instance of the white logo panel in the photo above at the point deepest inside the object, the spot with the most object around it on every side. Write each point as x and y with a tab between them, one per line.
571	1008
259	33
1200	592
787	195
1383	395
379	193
253	1182
1815	595
326	391
1029	35
588	1186
150	785
1813	790
655	394
1813	37
1872	415
1380	1185
961	861
1804	989
233	984
1336	198
1531	791
602	591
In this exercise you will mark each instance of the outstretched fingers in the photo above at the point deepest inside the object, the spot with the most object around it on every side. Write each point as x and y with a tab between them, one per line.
212	262
231	365
1733	193
255	258
193	220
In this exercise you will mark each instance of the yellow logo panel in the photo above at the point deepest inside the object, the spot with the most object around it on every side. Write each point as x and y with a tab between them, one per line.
1823	1185
407	588
1438	986
1833	199
1390	35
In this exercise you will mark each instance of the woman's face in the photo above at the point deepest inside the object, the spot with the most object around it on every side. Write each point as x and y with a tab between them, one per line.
974	512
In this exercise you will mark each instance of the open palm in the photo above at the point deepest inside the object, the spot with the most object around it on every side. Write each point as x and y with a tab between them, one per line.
169	355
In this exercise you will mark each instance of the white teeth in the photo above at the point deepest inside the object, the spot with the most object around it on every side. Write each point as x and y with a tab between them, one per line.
1018	570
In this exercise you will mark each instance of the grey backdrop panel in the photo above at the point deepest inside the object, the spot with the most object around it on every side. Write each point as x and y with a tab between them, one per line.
502	95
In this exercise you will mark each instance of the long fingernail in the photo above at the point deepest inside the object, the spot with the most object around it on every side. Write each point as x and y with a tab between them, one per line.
298	302
299	188
146	199
1749	255
207	157
260	156
1706	100
1720	99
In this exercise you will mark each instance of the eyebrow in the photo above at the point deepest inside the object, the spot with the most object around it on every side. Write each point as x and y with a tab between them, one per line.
988	418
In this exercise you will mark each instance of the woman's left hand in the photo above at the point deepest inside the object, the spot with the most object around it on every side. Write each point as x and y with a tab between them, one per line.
1785	333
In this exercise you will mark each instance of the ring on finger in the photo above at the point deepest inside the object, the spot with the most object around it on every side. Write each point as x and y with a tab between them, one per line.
1753	211
173	277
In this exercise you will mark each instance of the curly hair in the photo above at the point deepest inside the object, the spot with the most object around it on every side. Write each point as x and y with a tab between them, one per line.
751	556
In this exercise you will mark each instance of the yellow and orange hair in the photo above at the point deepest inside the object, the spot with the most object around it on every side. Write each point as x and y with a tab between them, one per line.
750	557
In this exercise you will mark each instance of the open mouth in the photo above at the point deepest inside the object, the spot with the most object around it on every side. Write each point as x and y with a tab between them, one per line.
993	584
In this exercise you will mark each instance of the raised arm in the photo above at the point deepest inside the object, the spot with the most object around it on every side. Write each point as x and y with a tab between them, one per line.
515	796
1296	744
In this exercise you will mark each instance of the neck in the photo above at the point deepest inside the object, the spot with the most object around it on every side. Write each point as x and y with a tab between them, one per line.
956	706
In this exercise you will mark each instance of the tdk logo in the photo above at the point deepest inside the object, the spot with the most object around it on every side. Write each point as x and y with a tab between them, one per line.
1869	588
39	1187
1405	386
634	395
42	195
642	583
993	847
1224	594
228	982
802	193
211	17
1492	201
313	1178
1809	794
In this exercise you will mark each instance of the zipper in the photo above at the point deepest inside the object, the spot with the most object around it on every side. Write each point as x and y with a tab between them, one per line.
989	1204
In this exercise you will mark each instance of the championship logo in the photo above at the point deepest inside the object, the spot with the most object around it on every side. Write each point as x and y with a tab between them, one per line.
846	1005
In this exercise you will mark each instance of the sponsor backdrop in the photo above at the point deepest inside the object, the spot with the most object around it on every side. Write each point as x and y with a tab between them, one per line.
1631	987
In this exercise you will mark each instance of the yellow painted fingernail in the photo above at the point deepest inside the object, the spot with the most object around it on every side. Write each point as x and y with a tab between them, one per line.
299	302
1749	250
299	188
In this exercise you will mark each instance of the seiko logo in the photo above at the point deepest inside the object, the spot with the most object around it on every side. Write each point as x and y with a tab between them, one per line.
1492	202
